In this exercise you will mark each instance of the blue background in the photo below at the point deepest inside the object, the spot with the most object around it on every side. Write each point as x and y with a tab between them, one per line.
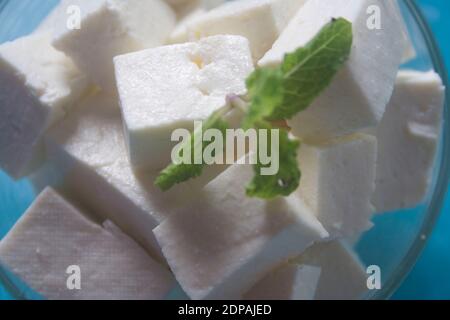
430	278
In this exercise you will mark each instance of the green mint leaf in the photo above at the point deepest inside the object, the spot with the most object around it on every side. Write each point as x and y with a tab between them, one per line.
264	87
302	76
177	173
310	70
286	180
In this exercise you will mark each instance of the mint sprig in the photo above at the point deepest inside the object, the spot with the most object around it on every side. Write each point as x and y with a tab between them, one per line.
287	179
179	171
301	77
279	93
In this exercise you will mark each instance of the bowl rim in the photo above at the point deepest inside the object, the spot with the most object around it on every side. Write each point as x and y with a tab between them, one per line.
434	209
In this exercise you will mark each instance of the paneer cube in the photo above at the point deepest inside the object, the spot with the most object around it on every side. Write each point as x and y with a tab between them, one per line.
338	180
87	160
288	282
113	27
409	52
168	88
181	28
185	8
224	242
179	2
211	4
207	4
54	236
342	276
36	91
408	139
359	93
260	21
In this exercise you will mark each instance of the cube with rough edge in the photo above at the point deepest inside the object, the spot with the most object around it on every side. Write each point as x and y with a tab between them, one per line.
338	180
112	27
260	21
342	276
287	282
224	242
53	243
87	160
170	87
408	140
359	93
36	91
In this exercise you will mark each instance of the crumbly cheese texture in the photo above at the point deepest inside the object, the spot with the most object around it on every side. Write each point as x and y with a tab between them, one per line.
53	235
170	87
224	242
338	180
359	93
342	277
260	21
87	159
288	282
113	27
408	139
36	91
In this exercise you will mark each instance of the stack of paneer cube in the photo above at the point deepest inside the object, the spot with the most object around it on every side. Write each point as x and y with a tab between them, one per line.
87	113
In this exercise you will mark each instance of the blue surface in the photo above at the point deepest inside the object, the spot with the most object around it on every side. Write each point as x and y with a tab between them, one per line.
430	278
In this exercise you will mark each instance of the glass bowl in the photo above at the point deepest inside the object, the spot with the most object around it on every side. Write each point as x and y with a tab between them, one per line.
397	238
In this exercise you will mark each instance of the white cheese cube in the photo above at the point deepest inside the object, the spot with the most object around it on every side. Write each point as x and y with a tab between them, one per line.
37	86
211	4
178	34
409	52
338	180
358	95
206	4
113	27
224	242
260	21
178	2
186	8
288	282
87	159
342	277
408	139
170	87
53	235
